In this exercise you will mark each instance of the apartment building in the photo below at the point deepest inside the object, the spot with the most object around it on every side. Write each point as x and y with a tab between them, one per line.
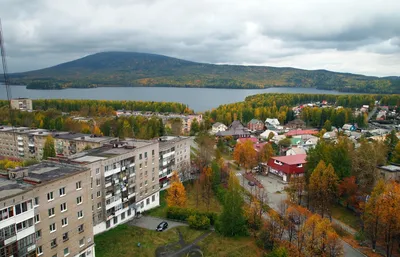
23	104
26	143
46	211
174	155
124	180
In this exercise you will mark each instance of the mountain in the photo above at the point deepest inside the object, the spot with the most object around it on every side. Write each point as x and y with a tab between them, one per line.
151	70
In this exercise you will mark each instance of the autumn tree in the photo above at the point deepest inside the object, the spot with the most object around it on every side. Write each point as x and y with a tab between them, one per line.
391	141
323	188
245	154
265	153
206	186
96	131
232	221
195	127
205	150
296	189
49	148
348	191
284	142
396	154
176	193
254	220
328	125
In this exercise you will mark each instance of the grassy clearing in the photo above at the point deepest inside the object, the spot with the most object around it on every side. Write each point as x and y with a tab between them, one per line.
217	245
346	216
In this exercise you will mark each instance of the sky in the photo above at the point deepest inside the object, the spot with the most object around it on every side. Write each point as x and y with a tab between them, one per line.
357	36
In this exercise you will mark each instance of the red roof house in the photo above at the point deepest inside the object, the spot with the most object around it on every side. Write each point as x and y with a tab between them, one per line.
300	132
244	139
287	166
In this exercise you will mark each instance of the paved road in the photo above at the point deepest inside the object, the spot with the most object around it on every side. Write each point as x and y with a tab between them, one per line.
152	223
276	193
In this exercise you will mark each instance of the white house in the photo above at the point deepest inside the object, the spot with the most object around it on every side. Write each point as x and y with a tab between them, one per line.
266	133
295	151
217	127
330	135
273	122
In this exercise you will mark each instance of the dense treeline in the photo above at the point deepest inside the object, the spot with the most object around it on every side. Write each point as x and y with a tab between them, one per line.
134	126
318	117
101	107
279	106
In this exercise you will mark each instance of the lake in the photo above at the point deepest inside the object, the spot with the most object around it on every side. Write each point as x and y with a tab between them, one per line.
198	99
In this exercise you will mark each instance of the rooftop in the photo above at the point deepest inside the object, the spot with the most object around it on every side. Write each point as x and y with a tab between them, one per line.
167	141
291	159
391	168
24	179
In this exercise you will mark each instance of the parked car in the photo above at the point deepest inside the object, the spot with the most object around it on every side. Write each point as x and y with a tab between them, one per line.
251	183
162	226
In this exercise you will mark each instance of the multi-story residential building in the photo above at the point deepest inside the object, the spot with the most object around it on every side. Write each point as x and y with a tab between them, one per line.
23	104
124	180
45	211
174	156
25	143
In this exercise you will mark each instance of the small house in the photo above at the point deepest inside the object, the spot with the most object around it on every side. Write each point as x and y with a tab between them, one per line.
217	127
255	125
287	166
349	127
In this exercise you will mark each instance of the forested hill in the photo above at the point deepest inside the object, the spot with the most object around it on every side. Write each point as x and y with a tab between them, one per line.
150	70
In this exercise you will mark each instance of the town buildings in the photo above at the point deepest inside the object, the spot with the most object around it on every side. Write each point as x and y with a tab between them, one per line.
22	104
235	130
27	143
217	127
390	172
174	155
45	211
124	180
287	166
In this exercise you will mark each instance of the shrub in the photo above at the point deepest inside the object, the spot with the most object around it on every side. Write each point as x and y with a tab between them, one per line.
198	221
178	213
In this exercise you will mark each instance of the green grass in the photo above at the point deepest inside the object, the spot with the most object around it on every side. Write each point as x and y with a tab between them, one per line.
346	216
122	241
161	211
219	246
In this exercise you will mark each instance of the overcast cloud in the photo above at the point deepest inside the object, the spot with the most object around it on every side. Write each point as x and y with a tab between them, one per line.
360	36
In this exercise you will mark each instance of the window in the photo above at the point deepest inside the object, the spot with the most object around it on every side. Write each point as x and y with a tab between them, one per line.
140	166
55	255
50	196
39	250
80	214
51	212
152	179
53	243
62	191
92	196
99	205
152	152
38	234
63	207
98	194
106	168
80	228
65	237
66	251
153	198
81	242
37	218
36	201
142	204
22	207
147	201
145	182
64	222
78	186
123	216
145	155
145	164
108	224
52	227
140	184
115	220
97	171
79	200
129	212
140	156
98	182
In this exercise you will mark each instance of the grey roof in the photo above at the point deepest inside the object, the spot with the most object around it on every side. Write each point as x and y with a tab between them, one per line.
218	124
390	168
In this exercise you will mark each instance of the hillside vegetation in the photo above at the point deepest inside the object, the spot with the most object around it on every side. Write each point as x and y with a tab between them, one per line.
150	70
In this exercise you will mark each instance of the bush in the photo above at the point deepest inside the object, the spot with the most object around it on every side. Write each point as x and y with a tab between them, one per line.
178	213
198	221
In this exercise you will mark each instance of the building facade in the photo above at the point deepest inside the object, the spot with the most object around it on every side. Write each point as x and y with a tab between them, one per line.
47	211
255	125
174	155
124	180
27	143
287	166
22	104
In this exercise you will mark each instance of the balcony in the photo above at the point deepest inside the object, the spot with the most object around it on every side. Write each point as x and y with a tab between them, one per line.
19	138
21	149
20	143
112	172
131	165
112	202
108	184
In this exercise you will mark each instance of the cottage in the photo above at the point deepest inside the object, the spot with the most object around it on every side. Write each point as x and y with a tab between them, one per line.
236	130
217	127
272	122
329	135
296	124
295	151
287	166
255	125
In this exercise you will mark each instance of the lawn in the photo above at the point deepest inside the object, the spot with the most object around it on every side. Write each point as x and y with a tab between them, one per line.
346	216
217	245
161	211
123	240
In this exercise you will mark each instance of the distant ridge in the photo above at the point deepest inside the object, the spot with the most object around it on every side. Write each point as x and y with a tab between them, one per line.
133	69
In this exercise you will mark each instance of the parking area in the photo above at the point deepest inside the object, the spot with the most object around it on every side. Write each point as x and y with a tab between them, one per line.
274	188
152	222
